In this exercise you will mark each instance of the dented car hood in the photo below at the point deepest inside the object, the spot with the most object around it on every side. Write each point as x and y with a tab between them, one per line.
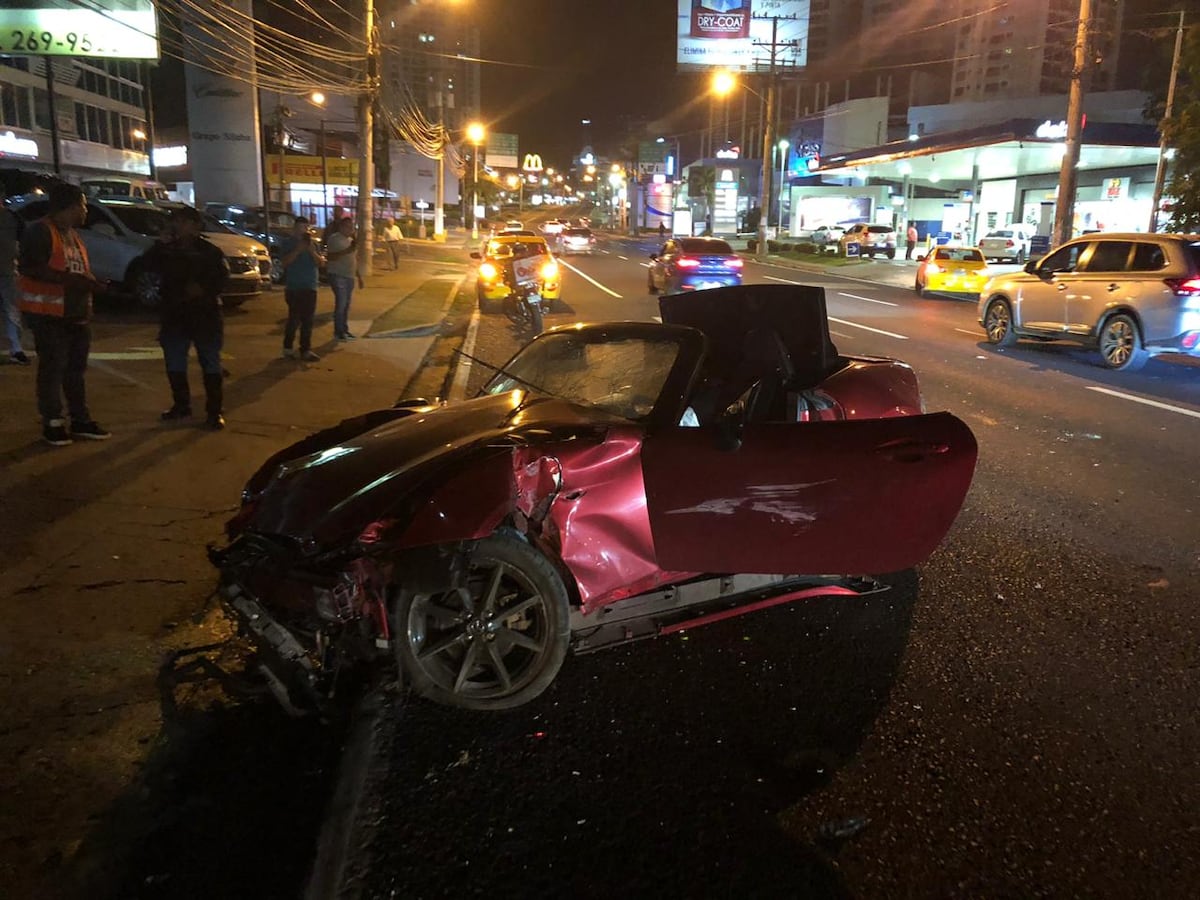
327	496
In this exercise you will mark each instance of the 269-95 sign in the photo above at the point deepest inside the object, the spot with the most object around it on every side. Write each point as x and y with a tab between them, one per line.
122	29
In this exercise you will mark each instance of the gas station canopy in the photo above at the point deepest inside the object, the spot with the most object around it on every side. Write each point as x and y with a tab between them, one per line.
1011	149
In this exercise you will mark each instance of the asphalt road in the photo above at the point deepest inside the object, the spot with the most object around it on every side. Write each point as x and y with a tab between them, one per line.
1017	719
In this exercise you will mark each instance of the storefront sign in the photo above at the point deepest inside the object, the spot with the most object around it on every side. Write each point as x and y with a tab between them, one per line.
171	157
1116	188
11	145
307	170
1051	131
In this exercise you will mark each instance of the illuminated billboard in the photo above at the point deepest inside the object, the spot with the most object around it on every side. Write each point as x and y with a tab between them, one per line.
117	29
736	34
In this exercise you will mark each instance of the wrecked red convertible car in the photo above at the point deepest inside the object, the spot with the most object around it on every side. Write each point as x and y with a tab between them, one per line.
612	482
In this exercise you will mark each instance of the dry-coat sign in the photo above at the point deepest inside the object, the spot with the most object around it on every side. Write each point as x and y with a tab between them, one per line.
736	34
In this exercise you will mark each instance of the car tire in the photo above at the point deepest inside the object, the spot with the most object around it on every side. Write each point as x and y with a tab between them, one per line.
998	323
1020	257
145	286
436	634
1120	344
232	302
891	254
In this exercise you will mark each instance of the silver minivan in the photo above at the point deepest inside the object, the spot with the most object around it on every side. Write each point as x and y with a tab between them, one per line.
1131	296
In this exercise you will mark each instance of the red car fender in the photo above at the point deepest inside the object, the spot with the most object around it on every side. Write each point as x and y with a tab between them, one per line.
875	389
468	505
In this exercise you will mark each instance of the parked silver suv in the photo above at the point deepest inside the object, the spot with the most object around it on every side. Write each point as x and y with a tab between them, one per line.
1129	295
871	239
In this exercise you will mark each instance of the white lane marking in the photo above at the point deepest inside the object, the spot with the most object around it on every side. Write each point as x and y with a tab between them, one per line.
462	371
645	265
868	299
841	293
619	256
971	333
840	334
899	337
1154	403
117	373
588	277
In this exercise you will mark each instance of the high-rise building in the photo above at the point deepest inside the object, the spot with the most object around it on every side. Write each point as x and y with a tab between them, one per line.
98	116
1026	48
430	60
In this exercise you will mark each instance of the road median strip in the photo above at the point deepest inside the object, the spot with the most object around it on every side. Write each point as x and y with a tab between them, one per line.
420	312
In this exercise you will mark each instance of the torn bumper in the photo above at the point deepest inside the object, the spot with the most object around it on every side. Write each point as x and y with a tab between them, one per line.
285	663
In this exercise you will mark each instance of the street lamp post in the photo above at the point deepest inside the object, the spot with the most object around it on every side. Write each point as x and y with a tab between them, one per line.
475	134
318	99
783	150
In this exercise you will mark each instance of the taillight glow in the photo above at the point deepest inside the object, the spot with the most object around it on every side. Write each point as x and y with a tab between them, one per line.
550	271
734	263
1009	244
932	268
488	272
1190	339
687	262
1184	287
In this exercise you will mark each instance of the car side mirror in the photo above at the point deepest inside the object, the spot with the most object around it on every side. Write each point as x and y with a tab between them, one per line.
921	257
1031	267
730	425
475	255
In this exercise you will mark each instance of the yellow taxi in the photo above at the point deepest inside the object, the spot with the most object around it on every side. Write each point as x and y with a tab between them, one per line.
957	271
498	254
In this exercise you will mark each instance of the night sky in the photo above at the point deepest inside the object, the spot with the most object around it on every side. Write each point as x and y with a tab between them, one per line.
607	60
552	63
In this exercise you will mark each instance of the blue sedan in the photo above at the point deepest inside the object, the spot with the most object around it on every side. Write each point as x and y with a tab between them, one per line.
693	264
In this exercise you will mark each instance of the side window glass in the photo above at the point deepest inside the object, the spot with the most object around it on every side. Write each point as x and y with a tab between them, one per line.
1063	259
94	217
1109	256
1148	258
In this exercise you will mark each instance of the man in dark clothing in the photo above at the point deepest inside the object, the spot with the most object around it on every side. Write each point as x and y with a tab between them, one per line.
54	292
301	270
193	273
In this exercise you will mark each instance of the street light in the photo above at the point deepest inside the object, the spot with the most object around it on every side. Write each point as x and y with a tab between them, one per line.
475	134
783	149
723	82
318	99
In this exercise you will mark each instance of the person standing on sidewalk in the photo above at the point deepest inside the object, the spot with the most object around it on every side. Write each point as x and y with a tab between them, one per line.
9	313
193	273
54	292
910	241
301	269
342	266
393	239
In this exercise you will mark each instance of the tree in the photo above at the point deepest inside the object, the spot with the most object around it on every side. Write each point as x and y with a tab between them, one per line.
1182	132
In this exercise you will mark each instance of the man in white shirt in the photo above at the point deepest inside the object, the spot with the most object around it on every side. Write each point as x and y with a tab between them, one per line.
342	268
393	239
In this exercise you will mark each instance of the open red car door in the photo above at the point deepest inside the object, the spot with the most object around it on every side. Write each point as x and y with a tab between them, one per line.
817	498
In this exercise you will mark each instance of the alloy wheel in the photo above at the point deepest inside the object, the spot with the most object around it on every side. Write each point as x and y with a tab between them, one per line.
493	642
997	322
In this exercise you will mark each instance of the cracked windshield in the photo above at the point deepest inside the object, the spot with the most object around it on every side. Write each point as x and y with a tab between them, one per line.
620	376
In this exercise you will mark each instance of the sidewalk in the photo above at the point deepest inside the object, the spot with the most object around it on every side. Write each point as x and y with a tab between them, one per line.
104	569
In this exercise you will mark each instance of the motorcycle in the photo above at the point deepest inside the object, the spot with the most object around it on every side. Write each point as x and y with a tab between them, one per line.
525	305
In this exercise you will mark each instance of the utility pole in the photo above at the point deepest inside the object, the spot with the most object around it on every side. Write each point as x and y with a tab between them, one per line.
1160	171
769	125
366	163
1068	176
